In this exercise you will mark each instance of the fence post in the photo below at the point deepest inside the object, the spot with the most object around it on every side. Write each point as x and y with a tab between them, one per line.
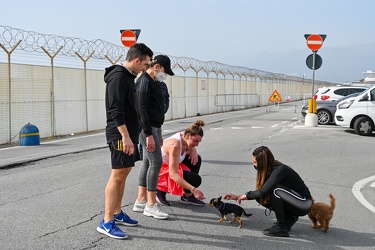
52	89
113	62
10	87
85	80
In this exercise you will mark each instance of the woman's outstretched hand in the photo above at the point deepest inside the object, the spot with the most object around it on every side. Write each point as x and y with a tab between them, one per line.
198	194
230	197
239	198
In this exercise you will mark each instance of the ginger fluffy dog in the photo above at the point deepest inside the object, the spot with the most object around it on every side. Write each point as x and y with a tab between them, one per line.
322	213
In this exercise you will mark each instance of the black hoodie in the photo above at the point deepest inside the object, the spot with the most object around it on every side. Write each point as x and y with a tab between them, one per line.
120	103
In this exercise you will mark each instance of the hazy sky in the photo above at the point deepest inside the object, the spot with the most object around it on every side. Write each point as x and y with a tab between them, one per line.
208	30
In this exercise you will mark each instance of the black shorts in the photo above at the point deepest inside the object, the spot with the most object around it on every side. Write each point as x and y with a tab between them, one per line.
119	159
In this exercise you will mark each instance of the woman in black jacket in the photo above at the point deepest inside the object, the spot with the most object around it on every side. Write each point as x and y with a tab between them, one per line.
278	188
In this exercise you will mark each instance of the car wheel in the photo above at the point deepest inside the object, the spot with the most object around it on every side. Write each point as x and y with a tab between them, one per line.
324	117
363	126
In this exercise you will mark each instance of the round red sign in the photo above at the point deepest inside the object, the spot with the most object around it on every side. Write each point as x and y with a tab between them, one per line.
314	42
128	38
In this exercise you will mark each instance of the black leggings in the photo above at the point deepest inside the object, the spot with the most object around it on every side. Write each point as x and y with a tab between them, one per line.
286	202
192	176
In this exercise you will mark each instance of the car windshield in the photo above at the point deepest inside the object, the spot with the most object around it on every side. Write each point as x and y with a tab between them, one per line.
348	96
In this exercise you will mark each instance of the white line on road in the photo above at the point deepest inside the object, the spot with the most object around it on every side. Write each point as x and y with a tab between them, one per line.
357	192
237	128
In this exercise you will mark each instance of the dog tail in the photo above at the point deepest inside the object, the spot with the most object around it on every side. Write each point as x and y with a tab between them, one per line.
333	201
247	215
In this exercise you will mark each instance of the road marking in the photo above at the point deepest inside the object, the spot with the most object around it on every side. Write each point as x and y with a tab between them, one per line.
317	127
215	128
274	126
372	185
357	192
168	131
237	128
256	127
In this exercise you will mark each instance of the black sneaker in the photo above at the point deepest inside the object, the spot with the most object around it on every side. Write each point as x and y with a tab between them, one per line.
191	200
290	221
277	230
275	225
160	198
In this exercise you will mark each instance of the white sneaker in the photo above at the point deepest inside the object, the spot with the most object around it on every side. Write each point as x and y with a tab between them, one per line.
139	206
155	212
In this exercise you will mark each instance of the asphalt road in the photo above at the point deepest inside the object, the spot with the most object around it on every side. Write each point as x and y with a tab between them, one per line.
52	195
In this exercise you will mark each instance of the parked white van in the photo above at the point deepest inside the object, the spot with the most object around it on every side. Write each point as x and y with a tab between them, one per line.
358	112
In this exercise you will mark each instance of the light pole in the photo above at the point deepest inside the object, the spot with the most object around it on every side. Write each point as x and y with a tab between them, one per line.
303	77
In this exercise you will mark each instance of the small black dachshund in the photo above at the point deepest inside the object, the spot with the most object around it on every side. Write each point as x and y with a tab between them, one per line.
228	208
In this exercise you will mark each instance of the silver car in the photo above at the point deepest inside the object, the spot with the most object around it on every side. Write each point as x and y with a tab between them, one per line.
325	110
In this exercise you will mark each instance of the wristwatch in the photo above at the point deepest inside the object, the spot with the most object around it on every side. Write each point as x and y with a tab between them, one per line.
248	195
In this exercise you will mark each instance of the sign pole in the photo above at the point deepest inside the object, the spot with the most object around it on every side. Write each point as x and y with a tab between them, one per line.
313	74
314	42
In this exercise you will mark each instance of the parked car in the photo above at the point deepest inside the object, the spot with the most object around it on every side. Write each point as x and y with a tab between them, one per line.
358	112
336	92
325	110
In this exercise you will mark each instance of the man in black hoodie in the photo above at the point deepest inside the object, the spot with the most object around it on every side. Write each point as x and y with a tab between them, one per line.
122	133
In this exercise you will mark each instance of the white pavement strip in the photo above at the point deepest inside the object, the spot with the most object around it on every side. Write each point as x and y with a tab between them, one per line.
357	192
273	126
168	131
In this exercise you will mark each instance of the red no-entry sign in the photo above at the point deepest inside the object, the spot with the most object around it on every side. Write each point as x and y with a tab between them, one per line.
314	42
128	38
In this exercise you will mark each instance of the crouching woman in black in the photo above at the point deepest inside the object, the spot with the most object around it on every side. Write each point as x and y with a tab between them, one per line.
278	188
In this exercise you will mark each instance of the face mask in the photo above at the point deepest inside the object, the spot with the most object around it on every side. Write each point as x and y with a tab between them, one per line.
161	76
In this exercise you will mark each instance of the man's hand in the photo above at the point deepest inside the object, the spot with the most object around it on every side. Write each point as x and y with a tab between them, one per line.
128	145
